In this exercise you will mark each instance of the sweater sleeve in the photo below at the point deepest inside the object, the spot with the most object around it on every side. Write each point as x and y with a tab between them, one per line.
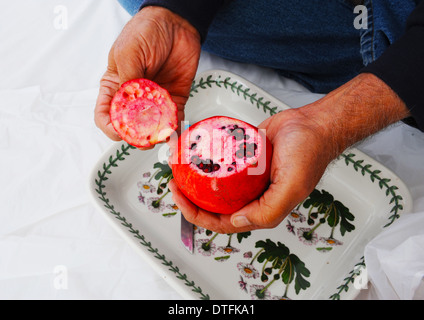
401	67
199	13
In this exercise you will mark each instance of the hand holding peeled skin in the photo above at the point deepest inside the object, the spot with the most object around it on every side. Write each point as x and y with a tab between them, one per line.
155	44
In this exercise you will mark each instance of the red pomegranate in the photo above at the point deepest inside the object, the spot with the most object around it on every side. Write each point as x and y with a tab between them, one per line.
142	113
221	164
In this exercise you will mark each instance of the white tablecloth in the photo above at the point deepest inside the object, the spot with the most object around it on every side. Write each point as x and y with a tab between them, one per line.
54	244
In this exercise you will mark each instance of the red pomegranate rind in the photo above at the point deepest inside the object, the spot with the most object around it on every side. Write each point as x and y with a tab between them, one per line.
215	164
143	113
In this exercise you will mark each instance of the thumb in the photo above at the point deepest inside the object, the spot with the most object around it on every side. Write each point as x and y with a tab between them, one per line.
266	212
125	62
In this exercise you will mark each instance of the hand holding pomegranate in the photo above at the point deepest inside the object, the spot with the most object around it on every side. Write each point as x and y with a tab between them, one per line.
298	162
305	141
155	44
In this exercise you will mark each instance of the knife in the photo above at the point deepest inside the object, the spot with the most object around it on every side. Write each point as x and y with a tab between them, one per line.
187	234
187	228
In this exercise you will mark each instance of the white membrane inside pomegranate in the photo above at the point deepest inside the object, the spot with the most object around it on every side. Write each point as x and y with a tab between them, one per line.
222	146
143	113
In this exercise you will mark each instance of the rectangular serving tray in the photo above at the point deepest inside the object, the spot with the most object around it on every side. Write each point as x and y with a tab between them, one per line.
310	255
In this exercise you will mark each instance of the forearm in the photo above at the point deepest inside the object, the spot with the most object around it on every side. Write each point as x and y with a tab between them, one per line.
356	110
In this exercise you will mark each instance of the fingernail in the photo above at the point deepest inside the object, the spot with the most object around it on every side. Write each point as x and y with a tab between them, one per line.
240	221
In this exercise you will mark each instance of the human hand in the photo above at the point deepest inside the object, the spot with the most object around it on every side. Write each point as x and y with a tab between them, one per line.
305	141
155	44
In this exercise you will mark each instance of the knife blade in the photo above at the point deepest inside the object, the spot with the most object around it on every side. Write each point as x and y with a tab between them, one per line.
187	234
187	228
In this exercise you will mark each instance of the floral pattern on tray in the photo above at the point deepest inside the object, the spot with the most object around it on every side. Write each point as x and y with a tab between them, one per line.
270	264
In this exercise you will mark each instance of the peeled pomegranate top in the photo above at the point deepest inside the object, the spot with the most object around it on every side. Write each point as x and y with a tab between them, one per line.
222	164
143	113
226	150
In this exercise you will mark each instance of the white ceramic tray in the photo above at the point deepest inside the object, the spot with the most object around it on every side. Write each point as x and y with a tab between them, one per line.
303	258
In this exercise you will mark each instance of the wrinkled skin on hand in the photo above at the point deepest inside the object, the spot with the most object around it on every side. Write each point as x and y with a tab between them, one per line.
155	44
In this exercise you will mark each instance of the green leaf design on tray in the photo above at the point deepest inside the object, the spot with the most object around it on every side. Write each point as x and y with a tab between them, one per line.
383	183
282	265
328	210
237	88
349	279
